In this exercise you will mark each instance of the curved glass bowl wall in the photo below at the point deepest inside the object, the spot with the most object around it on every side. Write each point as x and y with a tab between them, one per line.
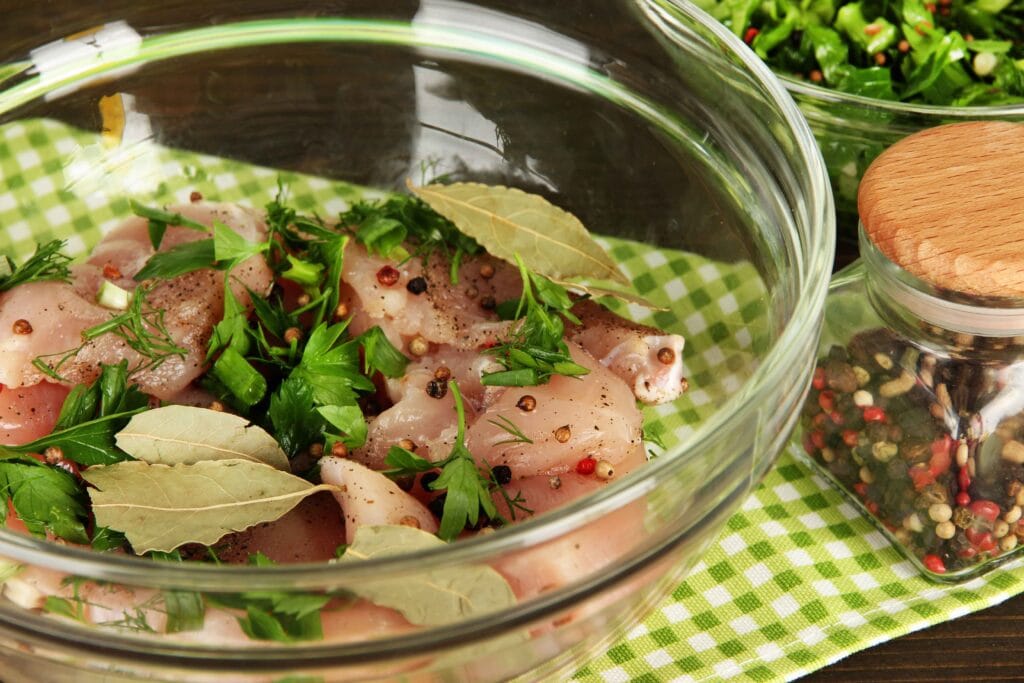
644	118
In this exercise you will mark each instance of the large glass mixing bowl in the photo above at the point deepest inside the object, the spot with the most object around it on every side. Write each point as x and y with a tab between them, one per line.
643	117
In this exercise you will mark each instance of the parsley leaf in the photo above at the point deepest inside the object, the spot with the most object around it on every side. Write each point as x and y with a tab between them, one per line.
291	412
229	246
405	463
467	490
45	498
349	420
276	615
47	263
105	539
331	368
381	355
186	611
383	226
89	419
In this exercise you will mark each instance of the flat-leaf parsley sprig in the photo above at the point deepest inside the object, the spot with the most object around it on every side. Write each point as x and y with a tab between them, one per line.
465	486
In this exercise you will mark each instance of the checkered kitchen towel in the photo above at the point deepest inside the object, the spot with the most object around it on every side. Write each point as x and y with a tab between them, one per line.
797	579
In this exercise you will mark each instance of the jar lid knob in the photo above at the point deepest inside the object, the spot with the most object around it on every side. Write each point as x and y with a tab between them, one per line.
947	205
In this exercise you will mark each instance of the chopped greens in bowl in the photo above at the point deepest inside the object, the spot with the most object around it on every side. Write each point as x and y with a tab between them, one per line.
952	53
871	72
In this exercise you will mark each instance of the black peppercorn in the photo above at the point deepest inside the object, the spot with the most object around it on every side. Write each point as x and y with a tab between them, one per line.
437	388
502	474
417	285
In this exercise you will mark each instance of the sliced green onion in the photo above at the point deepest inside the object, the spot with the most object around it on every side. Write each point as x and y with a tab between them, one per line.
113	297
239	377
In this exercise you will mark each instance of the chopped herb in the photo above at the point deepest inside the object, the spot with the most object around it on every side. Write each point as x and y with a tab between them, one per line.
45	498
908	51
510	427
347	419
89	419
276	615
179	260
238	376
63	607
229	246
160	220
293	416
186	611
233	329
514	503
105	539
47	263
654	432
405	463
330	365
536	349
141	327
306	273
381	355
467	490
383	226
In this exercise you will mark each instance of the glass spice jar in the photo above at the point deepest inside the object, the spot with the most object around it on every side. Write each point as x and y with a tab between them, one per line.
917	405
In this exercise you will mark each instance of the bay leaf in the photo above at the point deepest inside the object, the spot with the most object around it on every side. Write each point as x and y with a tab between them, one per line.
161	507
174	435
430	598
600	290
507	221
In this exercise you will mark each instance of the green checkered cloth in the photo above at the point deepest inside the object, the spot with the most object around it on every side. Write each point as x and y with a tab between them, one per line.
797	579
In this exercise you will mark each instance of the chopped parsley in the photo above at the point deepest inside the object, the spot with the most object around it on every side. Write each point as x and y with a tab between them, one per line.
959	54
536	349
384	226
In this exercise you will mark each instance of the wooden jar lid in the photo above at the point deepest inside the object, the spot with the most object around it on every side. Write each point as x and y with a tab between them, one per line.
947	205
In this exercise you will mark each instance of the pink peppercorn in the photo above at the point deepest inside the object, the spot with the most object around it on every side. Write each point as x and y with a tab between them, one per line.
586	465
934	564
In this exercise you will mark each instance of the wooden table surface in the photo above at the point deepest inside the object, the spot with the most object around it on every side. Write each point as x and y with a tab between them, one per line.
984	646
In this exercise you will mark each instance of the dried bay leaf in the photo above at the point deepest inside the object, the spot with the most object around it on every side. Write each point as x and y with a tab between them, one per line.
507	221
187	435
430	598
161	507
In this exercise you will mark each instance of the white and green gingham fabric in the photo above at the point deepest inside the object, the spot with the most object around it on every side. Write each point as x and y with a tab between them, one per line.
797	578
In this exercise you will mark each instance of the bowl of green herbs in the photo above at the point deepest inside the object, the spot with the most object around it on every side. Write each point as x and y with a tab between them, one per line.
867	73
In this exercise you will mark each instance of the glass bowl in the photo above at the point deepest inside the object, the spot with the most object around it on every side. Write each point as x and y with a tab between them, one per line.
852	130
645	118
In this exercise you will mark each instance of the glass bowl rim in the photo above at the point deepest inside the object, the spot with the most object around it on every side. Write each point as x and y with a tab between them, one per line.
836	97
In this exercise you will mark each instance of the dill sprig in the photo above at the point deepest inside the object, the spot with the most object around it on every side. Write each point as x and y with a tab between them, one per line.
517	435
142	328
47	263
